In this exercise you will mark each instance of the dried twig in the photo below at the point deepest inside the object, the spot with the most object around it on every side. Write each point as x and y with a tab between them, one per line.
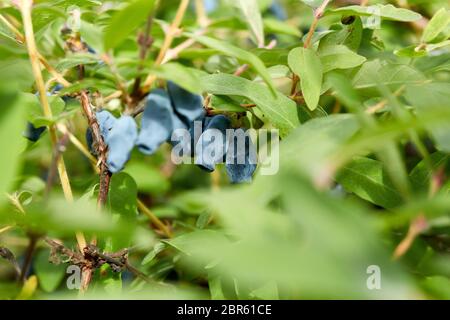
93	258
100	146
25	8
6	254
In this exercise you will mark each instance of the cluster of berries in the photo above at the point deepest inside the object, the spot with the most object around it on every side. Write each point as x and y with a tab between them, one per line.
167	115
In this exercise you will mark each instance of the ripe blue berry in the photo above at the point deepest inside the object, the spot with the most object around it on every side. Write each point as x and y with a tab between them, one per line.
106	121
90	141
121	140
278	11
211	147
188	106
241	164
157	122
210	5
32	133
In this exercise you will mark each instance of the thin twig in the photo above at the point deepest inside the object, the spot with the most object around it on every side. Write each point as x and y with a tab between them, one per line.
202	17
105	175
170	35
244	67
145	42
25	8
154	219
33	239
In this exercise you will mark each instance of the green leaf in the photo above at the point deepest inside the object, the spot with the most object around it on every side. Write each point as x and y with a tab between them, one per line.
279	110
339	57
387	12
49	275
368	179
313	3
281	27
437	24
76	60
307	65
92	34
421	175
12	125
238	53
148	178
432	97
374	73
152	254
348	35
186	78
307	148
122	197
252	16
125	21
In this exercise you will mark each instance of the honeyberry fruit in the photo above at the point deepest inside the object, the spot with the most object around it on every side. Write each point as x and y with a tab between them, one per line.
121	140
188	106
278	11
106	122
211	147
241	164
157	122
32	133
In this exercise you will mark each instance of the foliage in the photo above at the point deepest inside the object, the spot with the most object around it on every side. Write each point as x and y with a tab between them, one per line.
360	96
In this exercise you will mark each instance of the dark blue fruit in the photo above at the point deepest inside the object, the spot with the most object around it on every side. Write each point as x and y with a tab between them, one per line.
157	122
208	146
210	5
241	164
278	11
121	140
90	141
32	133
188	106
106	121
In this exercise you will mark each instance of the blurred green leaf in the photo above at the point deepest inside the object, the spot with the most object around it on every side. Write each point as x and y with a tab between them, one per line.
252	16
122	196
242	55
125	21
12	124
49	275
367	179
437	24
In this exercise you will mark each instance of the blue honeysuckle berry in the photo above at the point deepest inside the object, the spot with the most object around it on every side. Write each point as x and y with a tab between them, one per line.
56	89
106	122
187	105
278	11
157	122
206	157
210	5
121	140
90	141
241	163
32	133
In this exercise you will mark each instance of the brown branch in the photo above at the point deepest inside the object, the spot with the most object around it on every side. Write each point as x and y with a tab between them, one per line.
6	254
100	146
104	174
31	248
145	41
92	258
